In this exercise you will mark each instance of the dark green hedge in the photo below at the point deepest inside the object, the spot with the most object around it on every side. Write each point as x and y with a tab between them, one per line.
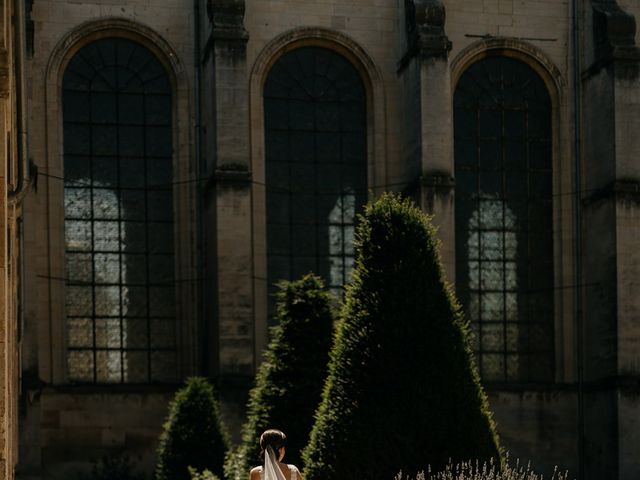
289	382
402	392
193	435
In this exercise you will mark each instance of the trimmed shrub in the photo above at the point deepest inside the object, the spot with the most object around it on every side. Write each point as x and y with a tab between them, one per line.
402	391
193	434
289	382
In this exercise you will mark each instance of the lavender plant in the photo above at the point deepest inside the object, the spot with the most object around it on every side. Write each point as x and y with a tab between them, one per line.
484	471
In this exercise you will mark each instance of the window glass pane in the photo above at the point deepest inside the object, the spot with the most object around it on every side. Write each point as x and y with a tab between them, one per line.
80	332
117	109
136	367
81	365
504	247
163	366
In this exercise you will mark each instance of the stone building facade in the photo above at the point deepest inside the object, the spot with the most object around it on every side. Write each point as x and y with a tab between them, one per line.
15	183
191	153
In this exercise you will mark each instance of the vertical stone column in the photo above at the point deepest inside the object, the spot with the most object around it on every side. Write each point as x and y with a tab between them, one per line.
5	344
227	196
8	272
611	258
425	67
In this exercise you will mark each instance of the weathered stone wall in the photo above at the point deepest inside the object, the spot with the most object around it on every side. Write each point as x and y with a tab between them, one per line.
64	430
544	23
13	187
410	149
611	200
538	426
63	426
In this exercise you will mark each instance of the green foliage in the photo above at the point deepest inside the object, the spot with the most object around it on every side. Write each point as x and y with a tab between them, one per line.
113	467
193	434
204	475
485	471
402	390
289	382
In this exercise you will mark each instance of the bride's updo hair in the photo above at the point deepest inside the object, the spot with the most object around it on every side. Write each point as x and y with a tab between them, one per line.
272	438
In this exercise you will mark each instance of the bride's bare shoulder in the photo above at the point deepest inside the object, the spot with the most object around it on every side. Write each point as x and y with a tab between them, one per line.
255	473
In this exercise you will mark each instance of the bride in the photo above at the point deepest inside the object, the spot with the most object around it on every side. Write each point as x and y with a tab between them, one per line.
272	449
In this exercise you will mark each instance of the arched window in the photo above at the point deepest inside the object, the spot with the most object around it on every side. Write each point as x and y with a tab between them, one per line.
504	234
316	165
119	254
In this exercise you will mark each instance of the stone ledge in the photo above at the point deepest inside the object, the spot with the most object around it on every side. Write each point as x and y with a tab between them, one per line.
234	177
623	189
439	182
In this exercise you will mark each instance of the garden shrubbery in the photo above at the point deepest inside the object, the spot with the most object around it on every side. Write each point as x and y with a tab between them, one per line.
402	390
193	434
484	471
289	382
204	475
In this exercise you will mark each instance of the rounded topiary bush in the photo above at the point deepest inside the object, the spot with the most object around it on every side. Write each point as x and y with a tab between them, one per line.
289	382
402	391
193	435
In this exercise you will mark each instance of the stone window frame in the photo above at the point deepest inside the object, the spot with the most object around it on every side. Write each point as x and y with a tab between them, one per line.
562	177
184	192
376	142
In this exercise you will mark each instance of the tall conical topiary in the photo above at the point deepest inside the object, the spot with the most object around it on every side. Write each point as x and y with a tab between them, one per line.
402	391
193	435
289	382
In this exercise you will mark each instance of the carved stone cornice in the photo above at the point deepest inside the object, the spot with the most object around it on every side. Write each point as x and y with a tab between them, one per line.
425	22
227	17
614	32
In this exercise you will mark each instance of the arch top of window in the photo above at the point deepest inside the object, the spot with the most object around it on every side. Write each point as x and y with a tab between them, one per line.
328	39
314	73
117	28
504	47
116	64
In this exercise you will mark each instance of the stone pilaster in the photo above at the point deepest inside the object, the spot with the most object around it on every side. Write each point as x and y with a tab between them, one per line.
611	259
425	71
227	192
8	268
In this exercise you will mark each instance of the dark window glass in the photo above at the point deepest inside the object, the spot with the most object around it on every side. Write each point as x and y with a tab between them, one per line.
504	251
316	165
120	301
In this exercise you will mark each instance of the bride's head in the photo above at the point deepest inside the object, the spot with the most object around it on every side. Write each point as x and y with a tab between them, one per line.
275	439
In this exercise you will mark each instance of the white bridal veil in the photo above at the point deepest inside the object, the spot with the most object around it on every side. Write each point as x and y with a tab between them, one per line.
271	468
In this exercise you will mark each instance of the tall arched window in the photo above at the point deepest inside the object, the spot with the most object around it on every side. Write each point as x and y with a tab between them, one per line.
504	234
316	164
120	299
